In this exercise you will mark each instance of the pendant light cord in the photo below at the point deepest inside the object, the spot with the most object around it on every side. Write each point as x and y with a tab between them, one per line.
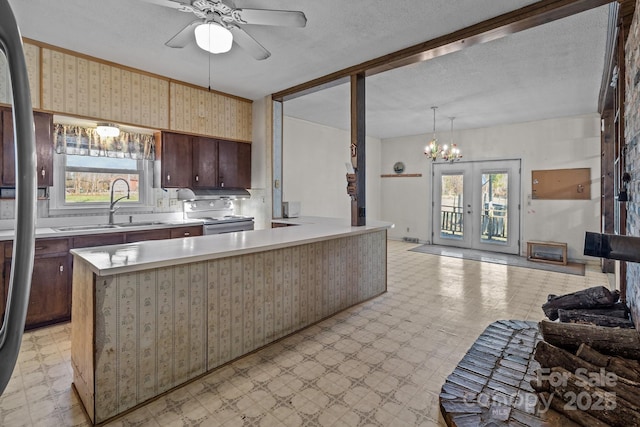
434	122
209	29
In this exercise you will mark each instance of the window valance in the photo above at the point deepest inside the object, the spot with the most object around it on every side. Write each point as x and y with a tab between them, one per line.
83	141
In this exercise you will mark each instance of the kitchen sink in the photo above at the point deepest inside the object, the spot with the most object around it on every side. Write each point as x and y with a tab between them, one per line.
138	224
85	227
107	226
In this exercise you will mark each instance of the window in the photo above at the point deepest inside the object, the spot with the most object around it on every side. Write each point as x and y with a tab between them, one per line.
84	182
86	167
89	179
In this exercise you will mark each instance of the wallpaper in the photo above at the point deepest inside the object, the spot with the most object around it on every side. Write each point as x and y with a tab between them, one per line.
158	328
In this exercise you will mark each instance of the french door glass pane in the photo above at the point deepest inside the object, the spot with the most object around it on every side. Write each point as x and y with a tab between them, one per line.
494	209
452	207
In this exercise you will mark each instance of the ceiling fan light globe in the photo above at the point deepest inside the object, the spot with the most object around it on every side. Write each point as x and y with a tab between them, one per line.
213	37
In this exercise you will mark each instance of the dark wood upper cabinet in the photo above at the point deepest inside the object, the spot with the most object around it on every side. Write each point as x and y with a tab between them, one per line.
234	164
205	162
200	162
176	160
44	148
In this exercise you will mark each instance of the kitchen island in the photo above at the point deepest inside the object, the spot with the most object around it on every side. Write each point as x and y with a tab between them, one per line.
150	316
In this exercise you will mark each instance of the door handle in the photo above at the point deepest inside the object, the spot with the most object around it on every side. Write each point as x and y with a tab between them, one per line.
26	181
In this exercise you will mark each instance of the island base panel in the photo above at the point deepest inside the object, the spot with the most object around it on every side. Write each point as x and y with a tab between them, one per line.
155	329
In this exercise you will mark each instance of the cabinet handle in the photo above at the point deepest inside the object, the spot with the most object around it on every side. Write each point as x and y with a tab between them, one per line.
39	248
42	172
168	177
186	233
61	268
197	178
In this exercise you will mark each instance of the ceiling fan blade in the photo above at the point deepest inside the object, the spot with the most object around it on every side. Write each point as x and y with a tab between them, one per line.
282	18
170	3
184	36
248	43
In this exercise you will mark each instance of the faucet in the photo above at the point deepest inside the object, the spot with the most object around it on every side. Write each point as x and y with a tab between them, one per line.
112	208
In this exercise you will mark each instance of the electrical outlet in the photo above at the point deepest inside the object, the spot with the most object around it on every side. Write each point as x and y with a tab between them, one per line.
7	209
173	202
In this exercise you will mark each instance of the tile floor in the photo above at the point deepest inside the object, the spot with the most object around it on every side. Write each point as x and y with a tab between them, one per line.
381	363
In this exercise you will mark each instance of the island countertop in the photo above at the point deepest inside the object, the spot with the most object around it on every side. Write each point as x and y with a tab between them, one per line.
131	257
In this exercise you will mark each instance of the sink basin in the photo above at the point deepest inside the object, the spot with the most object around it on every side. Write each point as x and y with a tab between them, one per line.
85	227
107	226
137	224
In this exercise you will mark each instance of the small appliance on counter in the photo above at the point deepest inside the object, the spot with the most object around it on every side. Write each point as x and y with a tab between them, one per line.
290	209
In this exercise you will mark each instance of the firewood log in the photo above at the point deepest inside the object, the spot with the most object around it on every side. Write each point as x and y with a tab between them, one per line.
611	341
606	406
617	310
584	317
578	417
623	368
550	356
595	297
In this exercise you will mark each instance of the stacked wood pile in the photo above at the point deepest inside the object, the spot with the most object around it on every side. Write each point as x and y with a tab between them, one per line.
597	306
590	359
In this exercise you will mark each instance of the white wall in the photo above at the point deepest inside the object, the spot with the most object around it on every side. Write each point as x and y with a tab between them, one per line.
572	142
314	171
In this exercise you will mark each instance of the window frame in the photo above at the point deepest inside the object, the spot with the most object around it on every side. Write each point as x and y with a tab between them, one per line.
58	205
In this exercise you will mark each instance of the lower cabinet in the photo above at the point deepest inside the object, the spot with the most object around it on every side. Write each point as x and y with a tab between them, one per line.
195	230
50	298
139	236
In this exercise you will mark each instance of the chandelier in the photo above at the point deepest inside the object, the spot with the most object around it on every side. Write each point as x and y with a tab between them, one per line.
434	151
452	153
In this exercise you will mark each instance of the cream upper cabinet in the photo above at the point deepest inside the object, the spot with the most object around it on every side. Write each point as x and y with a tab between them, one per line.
81	86
66	82
198	111
32	57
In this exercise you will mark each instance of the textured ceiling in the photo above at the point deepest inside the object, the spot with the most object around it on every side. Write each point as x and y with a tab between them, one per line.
553	70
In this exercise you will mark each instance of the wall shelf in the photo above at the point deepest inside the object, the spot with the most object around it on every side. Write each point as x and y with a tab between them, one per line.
401	175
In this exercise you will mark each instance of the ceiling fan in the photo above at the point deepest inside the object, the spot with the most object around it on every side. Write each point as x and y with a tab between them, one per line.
220	24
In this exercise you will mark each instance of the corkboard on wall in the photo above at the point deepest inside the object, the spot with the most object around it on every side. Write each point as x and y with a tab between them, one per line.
561	184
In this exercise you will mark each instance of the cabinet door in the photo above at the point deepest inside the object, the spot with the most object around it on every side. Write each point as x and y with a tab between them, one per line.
205	163
234	164
50	298
4	290
91	240
44	148
194	230
139	236
175	162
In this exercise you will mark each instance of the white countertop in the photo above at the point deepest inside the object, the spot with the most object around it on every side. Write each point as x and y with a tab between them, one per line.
116	259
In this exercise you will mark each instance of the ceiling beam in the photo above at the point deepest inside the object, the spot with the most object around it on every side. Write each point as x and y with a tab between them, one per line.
501	26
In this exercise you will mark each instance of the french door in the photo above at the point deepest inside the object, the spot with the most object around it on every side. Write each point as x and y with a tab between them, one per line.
477	205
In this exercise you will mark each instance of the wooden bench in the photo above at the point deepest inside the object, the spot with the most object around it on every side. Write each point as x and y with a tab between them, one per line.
549	252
